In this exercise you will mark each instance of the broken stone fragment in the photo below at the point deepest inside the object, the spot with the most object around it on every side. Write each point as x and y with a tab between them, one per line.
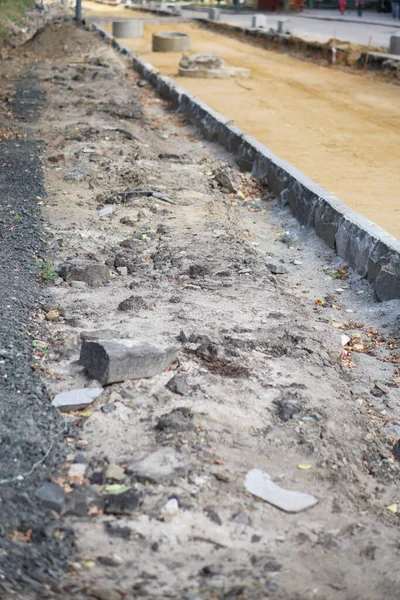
276	267
76	399
51	495
81	500
77	470
107	211
122	504
226	181
111	361
115	473
158	465
92	273
179	419
260	484
52	315
178	385
104	593
133	303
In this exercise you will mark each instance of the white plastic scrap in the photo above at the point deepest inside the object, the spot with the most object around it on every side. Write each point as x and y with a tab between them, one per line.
261	485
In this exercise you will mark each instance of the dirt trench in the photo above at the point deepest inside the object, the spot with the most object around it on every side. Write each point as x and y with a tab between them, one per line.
257	307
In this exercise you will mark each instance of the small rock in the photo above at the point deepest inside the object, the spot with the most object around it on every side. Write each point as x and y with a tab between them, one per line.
52	496
77	174
115	473
241	518
110	561
111	361
55	158
114	529
78	284
92	273
396	450
289	238
171	508
212	515
77	470
287	406
272	566
52	315
122	504
123	271
104	593
81	500
141	83
76	399
178	385
196	271
176	420
255	539
276	268
80	458
133	303
226	181
381	387
107	211
127	221
108	408
158	465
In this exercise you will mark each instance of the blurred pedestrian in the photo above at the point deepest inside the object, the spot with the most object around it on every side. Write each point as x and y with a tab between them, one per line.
360	7
342	6
395	9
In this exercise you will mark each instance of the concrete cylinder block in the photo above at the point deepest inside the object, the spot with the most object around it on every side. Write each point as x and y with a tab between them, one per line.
214	14
394	47
284	26
132	28
171	42
258	21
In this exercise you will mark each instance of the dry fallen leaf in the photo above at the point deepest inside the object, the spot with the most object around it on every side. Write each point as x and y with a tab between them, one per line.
19	536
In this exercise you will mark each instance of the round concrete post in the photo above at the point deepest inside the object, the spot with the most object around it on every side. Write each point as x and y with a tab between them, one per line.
214	14
394	47
132	28
171	42
284	26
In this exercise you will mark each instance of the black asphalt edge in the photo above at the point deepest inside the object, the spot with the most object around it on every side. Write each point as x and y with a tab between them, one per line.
31	430
371	251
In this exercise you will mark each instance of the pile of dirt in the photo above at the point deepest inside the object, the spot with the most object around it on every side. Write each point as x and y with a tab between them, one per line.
60	40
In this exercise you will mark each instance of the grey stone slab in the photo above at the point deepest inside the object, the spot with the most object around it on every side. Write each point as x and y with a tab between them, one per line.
110	361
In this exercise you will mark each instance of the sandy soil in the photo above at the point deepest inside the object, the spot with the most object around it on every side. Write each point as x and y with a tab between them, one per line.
91	9
266	383
340	129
